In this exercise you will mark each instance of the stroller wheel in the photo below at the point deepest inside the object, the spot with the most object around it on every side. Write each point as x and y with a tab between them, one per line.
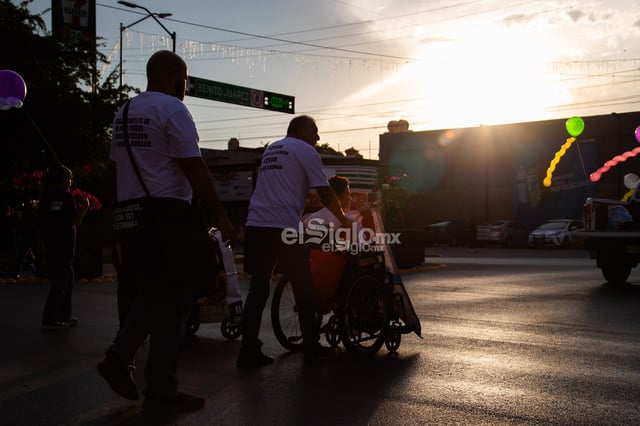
193	322
191	326
228	330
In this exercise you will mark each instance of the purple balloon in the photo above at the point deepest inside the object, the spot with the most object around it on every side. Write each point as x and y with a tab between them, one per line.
12	86
638	134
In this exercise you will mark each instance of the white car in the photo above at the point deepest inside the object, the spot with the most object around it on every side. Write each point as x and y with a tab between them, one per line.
504	232
555	233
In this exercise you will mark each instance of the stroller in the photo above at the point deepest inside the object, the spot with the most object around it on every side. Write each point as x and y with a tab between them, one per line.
220	302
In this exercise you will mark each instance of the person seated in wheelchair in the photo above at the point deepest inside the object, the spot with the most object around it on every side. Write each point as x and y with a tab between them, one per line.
334	247
325	225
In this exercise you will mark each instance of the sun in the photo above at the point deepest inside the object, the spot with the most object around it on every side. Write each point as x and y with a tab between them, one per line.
490	75
482	75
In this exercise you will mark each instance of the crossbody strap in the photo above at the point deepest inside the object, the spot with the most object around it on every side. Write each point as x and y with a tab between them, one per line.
125	129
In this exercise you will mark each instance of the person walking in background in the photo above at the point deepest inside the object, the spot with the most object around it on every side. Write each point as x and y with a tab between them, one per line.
158	159
289	168
59	214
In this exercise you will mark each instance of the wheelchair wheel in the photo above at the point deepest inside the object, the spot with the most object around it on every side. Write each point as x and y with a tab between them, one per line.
229	331
392	342
284	316
332	332
365	315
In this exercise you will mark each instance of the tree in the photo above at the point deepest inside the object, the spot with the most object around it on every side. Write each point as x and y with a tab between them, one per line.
62	116
327	150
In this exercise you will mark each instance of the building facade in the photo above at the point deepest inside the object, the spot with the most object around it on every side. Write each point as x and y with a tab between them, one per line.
498	172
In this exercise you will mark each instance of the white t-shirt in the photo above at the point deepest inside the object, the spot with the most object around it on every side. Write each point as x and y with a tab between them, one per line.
325	215
160	129
325	219
289	168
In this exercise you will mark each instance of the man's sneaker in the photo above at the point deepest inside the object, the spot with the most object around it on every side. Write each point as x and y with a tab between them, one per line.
73	321
252	358
318	353
235	314
179	402
119	377
56	325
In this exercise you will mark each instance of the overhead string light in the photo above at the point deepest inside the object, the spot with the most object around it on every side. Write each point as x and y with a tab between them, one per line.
257	57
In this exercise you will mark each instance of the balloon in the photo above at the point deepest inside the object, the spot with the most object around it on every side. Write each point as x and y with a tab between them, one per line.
556	159
628	194
595	176
631	180
13	90
638	134
575	126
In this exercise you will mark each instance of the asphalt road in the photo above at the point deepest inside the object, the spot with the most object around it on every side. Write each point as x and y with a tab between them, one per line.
510	337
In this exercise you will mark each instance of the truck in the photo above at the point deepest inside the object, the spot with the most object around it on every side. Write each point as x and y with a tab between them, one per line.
611	236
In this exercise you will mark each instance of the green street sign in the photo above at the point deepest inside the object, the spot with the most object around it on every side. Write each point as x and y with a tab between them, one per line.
238	95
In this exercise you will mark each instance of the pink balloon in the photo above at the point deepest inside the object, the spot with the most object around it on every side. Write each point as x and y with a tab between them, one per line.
638	134
595	176
13	89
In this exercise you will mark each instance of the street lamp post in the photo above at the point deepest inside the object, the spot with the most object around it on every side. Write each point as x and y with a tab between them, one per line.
150	14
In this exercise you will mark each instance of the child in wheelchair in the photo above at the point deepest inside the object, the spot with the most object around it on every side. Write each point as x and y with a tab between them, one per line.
334	248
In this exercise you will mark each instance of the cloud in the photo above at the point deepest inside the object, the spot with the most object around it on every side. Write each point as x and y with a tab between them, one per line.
433	40
518	19
594	16
575	15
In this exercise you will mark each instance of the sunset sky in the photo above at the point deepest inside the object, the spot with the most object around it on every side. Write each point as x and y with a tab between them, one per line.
357	64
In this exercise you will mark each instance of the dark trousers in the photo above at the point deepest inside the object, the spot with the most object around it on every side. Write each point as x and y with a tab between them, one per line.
155	295
264	249
58	305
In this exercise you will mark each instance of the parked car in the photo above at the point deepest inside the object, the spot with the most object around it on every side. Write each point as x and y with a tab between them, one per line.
507	233
450	232
556	233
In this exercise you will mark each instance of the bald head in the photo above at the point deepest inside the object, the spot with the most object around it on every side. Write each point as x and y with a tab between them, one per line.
167	73
304	127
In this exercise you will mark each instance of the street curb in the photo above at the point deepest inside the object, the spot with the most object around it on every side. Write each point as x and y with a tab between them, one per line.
112	276
425	267
36	280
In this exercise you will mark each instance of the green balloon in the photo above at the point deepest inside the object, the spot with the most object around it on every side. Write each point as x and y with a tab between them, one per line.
575	126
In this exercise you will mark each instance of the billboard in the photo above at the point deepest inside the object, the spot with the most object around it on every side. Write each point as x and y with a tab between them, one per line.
75	19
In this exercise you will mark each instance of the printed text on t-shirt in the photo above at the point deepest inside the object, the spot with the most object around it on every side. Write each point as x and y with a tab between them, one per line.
136	132
270	158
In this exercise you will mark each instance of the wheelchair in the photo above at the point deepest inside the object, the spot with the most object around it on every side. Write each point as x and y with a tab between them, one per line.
364	309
